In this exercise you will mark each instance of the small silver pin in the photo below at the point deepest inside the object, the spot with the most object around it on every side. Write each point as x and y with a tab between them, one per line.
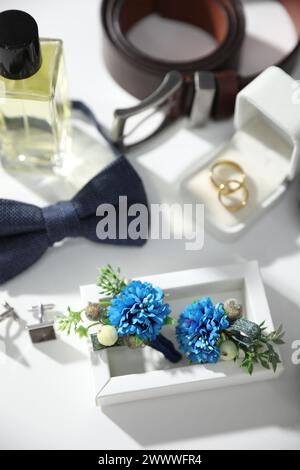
44	330
8	312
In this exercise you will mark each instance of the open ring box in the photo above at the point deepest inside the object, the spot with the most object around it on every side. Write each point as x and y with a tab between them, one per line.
265	145
122	374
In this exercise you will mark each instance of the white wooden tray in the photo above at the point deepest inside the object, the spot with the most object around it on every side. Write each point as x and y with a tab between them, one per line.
123	375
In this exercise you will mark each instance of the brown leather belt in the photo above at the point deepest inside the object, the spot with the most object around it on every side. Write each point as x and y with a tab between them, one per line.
197	88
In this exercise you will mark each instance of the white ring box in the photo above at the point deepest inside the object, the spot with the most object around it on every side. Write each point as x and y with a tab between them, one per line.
123	375
265	144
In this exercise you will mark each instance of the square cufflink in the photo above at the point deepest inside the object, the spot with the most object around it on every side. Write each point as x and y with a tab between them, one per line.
44	330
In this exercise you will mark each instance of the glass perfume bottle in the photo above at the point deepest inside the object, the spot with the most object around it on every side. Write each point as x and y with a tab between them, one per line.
34	106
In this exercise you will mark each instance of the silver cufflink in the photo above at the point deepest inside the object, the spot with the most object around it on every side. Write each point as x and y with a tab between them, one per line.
44	330
8	312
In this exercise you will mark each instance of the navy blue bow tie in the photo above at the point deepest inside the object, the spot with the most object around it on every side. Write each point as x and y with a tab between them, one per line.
26	231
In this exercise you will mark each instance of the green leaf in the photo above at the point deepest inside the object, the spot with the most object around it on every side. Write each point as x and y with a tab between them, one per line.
265	364
138	341
245	363
169	321
67	322
82	331
75	316
274	364
279	329
105	303
110	281
278	341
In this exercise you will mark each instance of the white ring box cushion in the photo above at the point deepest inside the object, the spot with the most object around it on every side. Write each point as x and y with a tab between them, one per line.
265	144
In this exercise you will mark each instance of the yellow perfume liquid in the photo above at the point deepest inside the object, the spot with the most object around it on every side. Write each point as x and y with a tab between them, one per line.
34	113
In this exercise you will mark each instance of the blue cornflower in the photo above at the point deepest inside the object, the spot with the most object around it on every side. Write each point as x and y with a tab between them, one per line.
199	328
139	310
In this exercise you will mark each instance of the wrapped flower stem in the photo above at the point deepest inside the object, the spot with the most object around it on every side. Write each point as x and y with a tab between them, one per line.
166	347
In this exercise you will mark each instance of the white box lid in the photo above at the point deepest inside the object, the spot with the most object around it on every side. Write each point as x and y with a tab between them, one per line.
273	95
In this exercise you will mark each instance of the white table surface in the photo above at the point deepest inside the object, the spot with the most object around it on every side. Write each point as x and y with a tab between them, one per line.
46	391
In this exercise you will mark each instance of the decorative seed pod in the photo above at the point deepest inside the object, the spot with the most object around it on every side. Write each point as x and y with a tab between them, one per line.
130	341
233	309
94	311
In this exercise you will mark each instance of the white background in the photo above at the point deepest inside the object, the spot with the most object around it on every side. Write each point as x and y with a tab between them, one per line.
46	391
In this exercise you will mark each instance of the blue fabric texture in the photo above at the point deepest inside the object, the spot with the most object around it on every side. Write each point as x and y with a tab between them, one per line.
27	231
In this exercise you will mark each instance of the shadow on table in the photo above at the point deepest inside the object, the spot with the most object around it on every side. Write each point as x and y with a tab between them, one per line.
60	352
273	403
57	350
8	344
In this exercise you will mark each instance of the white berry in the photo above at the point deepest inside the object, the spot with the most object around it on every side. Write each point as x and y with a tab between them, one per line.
228	351
108	335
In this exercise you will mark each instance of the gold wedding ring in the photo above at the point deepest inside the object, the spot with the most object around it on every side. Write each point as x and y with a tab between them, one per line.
228	187
225	163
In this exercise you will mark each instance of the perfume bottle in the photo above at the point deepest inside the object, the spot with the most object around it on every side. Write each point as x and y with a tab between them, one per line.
34	106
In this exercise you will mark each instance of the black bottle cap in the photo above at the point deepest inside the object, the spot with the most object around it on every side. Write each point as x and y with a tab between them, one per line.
20	54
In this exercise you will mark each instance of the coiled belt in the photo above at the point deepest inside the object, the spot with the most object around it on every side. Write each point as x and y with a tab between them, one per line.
199	88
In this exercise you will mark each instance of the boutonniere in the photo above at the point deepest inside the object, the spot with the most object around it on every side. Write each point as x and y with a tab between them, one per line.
207	333
132	313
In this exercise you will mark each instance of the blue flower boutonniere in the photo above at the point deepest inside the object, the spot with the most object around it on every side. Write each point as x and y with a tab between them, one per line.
132	314
207	333
139	310
199	329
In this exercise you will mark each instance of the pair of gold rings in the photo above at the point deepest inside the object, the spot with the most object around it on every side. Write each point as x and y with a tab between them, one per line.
229	187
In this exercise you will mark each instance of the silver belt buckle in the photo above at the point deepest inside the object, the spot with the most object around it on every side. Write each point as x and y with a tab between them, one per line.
204	95
164	100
